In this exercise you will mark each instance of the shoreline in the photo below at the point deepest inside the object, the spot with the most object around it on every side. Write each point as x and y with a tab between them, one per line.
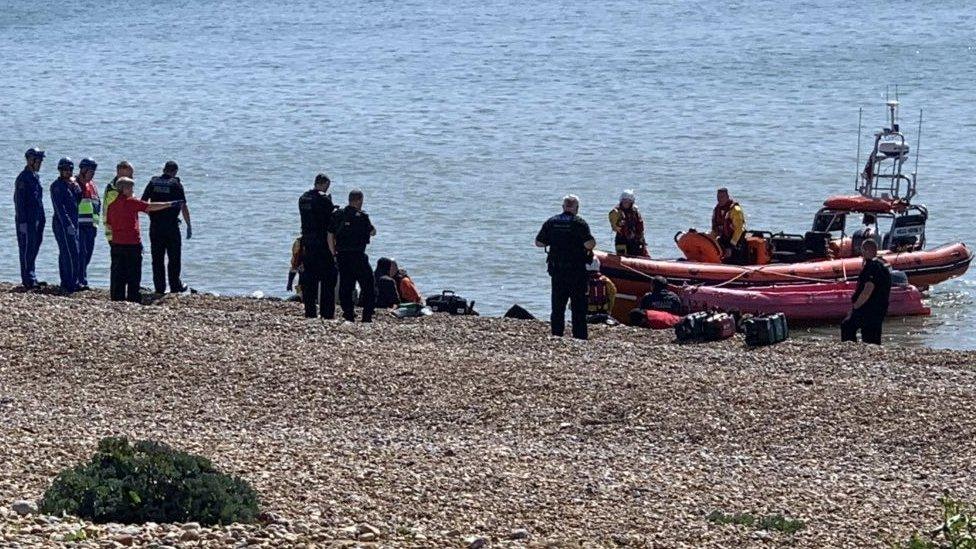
444	430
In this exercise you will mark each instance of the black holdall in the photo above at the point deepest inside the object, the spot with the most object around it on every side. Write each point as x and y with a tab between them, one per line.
766	330
691	327
451	303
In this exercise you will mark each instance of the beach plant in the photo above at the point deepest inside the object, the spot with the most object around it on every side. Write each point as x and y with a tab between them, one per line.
149	482
776	522
957	531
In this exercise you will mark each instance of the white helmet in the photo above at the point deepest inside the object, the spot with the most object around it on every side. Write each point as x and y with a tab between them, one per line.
628	195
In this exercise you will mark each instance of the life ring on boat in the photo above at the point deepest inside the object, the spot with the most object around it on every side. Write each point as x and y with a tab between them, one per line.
698	247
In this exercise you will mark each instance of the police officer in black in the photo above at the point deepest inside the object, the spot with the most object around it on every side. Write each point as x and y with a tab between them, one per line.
348	237
870	298
164	229
570	244
318	276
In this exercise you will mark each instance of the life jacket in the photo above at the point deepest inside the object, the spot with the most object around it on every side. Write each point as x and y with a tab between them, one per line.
111	193
630	223
722	220
597	298
408	291
90	206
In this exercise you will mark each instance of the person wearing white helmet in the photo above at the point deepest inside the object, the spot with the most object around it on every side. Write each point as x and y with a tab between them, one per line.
600	294
628	226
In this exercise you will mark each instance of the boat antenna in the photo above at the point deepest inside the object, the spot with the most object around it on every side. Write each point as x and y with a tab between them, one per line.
918	144
857	165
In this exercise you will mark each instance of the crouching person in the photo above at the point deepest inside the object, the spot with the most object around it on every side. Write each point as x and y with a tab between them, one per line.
126	254
600	294
660	298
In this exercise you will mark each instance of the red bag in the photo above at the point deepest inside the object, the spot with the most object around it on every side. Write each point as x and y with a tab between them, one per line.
661	320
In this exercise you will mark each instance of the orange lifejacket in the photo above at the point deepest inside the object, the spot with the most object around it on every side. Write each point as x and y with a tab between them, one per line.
409	292
597	298
722	221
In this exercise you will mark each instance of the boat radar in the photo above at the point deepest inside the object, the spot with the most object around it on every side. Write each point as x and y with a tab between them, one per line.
882	175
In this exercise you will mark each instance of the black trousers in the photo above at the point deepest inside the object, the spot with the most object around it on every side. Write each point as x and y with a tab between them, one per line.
354	268
318	282
166	243
569	287
125	275
868	321
739	252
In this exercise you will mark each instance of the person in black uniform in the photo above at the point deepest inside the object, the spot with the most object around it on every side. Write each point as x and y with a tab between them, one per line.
164	229
870	298
318	276
570	243
348	237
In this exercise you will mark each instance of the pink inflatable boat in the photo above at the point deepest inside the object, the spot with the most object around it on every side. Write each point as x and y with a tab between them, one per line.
829	302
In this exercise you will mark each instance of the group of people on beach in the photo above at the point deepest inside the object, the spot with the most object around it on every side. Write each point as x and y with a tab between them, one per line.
77	213
331	251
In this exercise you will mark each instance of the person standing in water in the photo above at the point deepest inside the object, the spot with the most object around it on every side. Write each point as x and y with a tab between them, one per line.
570	244
29	216
89	217
165	240
65	196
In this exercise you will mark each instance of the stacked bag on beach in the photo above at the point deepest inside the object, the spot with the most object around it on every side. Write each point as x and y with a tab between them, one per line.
713	326
765	330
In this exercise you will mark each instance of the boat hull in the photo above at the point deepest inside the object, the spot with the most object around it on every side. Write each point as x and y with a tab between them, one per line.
801	303
632	275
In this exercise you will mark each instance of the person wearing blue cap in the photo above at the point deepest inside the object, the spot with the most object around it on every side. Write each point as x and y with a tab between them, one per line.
65	196
29	216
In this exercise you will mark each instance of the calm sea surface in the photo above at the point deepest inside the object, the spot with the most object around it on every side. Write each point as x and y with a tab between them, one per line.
465	122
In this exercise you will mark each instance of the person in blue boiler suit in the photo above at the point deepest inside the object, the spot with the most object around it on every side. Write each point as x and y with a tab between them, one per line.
65	196
29	216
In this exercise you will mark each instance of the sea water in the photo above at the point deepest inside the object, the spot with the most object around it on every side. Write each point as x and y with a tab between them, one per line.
466	122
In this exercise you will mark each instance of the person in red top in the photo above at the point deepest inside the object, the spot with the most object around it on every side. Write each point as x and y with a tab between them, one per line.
123	216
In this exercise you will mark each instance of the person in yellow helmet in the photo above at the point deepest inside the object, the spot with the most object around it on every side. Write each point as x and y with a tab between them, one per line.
729	228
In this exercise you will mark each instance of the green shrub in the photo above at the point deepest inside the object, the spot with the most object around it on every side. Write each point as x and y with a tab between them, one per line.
957	531
778	523
149	482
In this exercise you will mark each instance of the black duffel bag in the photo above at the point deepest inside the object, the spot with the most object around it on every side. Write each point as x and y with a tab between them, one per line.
449	302
691	327
766	330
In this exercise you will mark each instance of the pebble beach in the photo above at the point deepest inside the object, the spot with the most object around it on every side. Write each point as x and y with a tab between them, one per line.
479	432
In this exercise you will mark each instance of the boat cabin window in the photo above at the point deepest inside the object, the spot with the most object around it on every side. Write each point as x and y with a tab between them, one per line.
829	222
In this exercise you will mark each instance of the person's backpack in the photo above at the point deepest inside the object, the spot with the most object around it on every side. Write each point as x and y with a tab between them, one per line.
719	326
449	302
691	327
766	330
